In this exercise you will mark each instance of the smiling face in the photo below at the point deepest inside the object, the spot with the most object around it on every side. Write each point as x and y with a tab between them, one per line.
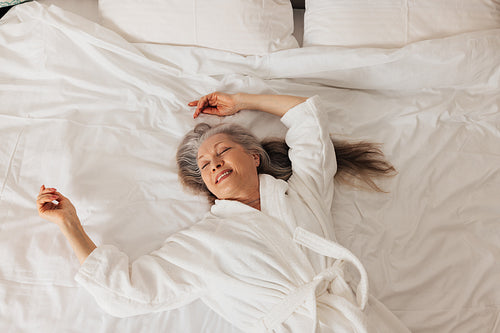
228	170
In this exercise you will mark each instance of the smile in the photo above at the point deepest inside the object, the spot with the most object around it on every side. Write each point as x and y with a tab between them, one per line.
223	175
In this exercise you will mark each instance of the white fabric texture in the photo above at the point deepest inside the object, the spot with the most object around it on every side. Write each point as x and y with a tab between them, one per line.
394	23
89	9
241	26
100	119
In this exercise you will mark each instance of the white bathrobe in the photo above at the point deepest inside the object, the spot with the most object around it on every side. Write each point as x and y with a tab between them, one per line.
277	269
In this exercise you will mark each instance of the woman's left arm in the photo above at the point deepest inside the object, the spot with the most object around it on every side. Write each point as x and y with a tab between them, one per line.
312	153
222	104
311	150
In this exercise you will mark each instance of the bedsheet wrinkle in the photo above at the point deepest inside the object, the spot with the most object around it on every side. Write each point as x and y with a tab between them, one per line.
100	119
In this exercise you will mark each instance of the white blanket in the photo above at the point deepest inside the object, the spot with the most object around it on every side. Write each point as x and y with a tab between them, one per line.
98	118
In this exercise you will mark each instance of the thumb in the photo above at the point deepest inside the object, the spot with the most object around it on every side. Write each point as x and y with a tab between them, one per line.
62	199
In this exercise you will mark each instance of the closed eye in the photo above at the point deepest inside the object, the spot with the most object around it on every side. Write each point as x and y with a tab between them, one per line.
222	152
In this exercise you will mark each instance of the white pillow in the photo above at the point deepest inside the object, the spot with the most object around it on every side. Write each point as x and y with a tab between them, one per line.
241	26
394	23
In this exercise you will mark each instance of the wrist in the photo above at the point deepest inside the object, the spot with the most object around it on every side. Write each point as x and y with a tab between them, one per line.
75	234
242	101
69	223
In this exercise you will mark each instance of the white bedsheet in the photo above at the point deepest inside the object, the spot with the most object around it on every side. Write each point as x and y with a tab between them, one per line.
98	118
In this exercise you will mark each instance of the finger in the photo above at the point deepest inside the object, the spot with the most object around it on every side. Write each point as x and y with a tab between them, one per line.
198	108
48	190
202	103
47	207
193	103
45	200
196	114
47	197
61	197
213	111
42	188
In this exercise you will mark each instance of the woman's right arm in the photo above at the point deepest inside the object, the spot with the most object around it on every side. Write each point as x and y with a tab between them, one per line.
56	208
120	286
150	283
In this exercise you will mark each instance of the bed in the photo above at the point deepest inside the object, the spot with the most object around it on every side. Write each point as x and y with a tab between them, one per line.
93	107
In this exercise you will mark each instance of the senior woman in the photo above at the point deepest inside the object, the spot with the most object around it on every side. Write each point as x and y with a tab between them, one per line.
264	256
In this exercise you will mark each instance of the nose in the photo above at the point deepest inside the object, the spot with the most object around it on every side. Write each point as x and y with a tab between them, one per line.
217	164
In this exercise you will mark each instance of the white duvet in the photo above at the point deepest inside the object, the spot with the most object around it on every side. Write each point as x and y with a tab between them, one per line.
98	118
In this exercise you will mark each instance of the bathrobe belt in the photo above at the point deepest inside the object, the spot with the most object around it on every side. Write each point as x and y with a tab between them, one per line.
308	292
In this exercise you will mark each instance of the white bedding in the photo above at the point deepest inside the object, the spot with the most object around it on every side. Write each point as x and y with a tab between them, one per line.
99	118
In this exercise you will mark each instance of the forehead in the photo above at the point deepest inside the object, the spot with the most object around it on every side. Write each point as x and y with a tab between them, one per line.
212	142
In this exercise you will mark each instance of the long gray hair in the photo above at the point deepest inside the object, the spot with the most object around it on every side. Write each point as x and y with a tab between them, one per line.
355	161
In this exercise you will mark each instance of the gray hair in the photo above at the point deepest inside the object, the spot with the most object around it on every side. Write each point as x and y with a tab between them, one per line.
356	161
187	153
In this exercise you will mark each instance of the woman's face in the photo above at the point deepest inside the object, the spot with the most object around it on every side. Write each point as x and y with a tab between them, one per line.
228	170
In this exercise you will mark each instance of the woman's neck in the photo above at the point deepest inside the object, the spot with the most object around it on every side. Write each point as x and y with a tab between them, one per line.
254	203
250	196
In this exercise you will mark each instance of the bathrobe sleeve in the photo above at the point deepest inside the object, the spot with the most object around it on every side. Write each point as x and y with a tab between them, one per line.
149	284
311	151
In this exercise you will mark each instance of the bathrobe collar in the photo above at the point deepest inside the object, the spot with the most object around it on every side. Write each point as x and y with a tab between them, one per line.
271	190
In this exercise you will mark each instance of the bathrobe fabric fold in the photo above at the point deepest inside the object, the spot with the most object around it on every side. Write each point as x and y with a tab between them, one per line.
274	270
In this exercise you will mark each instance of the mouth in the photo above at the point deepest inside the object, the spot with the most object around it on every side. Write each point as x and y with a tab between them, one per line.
223	175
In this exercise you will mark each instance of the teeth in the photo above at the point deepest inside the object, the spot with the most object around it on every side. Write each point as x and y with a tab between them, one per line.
225	173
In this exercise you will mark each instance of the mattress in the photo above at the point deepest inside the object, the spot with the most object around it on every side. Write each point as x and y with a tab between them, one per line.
99	118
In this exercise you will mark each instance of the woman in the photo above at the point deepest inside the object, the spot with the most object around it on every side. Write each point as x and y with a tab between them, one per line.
264	256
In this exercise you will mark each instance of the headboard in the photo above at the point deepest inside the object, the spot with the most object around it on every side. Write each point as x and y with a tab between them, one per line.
4	10
298	4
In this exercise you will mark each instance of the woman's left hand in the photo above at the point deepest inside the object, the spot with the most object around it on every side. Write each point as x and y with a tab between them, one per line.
216	103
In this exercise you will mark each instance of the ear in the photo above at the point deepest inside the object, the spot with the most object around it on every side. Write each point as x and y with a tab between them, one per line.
256	158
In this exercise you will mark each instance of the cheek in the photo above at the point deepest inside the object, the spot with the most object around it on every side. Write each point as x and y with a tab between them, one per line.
242	161
208	184
206	178
249	164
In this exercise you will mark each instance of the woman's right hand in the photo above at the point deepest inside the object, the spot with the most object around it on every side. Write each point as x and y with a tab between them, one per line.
55	207
216	103
63	213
